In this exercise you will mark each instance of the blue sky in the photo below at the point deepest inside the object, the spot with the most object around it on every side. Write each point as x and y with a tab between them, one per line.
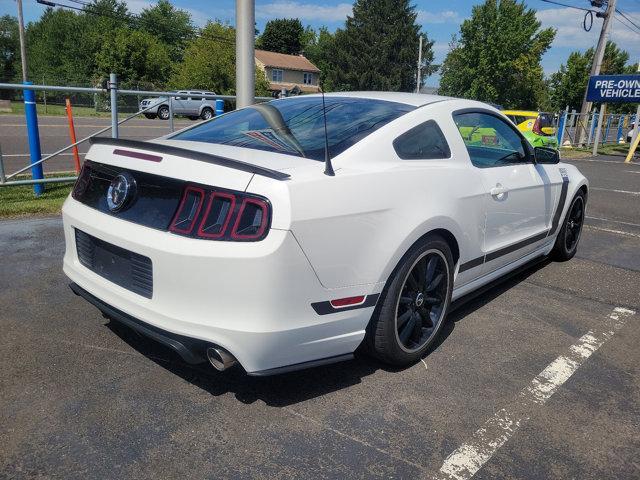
439	19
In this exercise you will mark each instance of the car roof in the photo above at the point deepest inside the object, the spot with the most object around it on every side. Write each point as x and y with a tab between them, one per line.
415	99
526	113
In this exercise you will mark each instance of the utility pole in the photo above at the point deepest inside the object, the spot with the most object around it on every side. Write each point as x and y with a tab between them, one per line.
597	59
245	57
636	126
419	77
23	49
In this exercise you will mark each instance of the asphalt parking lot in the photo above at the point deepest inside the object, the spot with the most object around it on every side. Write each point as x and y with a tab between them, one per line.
54	135
537	378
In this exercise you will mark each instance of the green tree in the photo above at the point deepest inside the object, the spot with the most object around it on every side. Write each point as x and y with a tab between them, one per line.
568	84
9	48
496	57
135	56
377	49
209	63
319	49
282	35
58	50
170	25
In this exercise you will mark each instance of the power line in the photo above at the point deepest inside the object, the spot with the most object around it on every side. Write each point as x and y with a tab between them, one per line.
628	19
569	6
634	30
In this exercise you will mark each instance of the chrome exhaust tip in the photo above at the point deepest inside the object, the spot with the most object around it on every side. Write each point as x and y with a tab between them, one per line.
220	358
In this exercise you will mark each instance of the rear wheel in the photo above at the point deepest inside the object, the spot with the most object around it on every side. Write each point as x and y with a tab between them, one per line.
163	112
206	114
414	304
567	241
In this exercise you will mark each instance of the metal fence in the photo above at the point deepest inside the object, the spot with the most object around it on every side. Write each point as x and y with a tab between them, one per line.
581	130
116	100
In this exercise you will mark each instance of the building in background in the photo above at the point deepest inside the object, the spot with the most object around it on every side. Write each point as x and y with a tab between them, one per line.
293	73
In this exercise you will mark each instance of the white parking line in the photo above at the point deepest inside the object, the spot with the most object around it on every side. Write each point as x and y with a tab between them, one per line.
609	230
465	461
615	191
613	221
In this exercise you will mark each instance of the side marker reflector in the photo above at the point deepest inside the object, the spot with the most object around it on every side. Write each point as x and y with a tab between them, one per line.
347	302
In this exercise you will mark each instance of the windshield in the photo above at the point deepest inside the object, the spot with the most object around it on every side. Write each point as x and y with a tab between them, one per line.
296	126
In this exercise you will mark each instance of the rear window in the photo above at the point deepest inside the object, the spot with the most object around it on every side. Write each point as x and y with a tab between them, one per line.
296	126
546	120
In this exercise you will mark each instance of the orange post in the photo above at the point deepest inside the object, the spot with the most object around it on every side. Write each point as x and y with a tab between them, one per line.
72	134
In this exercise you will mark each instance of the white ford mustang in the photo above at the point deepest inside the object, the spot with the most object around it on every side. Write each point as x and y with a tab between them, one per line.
256	238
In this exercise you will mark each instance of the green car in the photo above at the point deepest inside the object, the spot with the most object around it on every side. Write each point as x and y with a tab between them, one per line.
537	127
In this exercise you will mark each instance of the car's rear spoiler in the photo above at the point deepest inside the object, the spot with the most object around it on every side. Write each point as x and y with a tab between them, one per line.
193	155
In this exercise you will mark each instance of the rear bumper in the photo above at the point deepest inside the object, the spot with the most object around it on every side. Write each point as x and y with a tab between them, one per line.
253	299
191	350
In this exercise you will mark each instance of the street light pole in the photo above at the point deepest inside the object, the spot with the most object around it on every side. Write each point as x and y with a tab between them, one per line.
245	57
419	77
23	49
597	59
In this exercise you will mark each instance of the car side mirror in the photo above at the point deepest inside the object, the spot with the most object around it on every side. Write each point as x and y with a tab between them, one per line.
547	156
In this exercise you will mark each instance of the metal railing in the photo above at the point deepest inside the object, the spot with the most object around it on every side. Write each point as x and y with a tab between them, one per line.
581	130
112	89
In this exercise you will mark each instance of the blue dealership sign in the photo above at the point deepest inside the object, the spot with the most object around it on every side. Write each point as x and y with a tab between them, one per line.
614	88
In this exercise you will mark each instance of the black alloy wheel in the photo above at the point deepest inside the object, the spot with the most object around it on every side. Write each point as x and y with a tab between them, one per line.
422	300
575	219
567	240
413	305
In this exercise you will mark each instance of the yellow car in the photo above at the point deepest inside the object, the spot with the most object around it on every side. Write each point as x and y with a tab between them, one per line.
537	127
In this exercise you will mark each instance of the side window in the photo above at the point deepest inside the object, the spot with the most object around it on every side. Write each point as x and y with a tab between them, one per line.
422	142
490	141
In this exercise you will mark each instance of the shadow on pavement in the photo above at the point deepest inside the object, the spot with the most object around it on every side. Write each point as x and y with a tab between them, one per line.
291	388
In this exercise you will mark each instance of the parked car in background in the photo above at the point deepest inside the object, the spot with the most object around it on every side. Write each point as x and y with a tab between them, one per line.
185	106
537	127
235	241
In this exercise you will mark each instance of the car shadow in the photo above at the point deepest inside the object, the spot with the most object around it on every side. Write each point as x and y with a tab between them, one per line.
294	387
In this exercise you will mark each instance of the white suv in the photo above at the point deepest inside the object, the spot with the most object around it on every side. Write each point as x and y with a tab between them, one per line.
186	106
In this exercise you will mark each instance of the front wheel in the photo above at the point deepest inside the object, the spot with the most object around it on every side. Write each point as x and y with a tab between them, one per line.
567	241
414	304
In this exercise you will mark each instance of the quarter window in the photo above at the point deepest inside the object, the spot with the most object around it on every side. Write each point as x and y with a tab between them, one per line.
308	78
490	141
422	142
276	75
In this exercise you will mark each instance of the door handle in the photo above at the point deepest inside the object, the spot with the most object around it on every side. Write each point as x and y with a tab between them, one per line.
498	192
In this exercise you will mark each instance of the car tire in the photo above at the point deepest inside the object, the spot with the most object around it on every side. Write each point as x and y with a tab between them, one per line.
150	116
569	235
408	294
163	112
206	114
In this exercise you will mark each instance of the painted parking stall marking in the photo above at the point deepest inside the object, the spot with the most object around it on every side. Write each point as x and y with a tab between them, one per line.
466	460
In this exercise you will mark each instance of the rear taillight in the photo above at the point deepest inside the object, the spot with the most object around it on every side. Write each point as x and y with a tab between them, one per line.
216	214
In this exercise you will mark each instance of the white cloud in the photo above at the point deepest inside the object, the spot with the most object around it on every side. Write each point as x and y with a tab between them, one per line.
304	11
571	34
446	16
